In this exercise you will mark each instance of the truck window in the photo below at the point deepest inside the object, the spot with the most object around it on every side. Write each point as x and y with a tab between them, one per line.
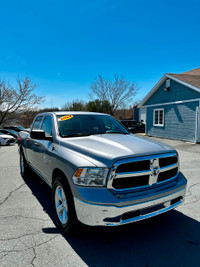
88	124
47	125
37	123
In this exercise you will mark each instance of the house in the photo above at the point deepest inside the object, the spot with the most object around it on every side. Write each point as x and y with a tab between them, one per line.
172	107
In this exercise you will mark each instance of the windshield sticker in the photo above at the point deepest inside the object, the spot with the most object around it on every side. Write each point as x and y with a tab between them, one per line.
64	118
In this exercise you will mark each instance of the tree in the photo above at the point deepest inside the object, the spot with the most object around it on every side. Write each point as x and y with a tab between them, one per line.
75	105
26	117
15	100
117	92
99	106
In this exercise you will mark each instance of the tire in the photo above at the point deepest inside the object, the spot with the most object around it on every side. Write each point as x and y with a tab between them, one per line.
63	207
24	168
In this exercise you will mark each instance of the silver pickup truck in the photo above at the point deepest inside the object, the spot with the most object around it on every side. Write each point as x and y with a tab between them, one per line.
100	173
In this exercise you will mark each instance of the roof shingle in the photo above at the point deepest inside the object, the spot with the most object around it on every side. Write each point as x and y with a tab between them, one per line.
192	77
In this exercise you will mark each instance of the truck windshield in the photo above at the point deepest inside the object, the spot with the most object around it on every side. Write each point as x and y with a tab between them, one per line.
73	125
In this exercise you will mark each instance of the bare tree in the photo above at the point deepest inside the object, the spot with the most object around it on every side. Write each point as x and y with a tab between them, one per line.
14	100
117	92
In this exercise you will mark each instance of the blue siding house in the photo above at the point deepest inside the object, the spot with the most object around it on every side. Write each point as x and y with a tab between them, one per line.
173	107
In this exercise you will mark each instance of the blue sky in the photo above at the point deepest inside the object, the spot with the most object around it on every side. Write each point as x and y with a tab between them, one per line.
63	45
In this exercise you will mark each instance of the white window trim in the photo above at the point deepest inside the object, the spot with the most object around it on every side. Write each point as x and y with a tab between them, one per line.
172	103
158	109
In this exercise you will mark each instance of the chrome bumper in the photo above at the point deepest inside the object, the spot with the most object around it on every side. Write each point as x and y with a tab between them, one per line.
102	215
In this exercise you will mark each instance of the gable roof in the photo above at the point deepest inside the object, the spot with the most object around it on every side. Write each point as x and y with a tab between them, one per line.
191	79
193	72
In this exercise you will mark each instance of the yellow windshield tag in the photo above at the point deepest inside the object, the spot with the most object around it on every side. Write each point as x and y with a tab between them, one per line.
64	118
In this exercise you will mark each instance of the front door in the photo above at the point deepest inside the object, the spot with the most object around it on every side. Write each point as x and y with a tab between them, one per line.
33	145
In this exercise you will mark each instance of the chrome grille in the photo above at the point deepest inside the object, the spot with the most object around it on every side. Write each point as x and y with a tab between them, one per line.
143	171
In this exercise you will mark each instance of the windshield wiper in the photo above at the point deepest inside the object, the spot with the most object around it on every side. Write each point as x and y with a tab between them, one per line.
113	133
76	135
88	134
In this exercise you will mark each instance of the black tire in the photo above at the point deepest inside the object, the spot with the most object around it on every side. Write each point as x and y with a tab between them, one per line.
63	207
24	167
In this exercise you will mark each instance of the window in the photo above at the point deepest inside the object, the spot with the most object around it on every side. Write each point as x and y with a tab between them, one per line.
158	117
82	125
47	126
37	123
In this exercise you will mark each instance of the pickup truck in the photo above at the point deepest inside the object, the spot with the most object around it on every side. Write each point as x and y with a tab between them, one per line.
99	172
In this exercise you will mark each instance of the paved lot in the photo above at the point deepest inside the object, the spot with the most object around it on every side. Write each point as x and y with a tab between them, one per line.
28	236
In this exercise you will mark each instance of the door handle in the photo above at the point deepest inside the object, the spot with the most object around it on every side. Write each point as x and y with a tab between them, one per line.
36	144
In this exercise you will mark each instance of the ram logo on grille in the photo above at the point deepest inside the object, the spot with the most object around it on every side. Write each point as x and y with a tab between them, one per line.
155	171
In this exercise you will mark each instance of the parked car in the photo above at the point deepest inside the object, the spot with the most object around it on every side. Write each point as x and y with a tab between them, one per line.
15	128
9	132
100	173
134	126
6	139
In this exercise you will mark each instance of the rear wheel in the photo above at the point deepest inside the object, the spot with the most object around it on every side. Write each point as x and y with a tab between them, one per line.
63	206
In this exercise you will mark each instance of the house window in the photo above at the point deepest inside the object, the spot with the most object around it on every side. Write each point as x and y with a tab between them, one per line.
158	117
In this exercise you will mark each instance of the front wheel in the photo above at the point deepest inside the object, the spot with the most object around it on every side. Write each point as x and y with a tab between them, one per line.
63	206
24	168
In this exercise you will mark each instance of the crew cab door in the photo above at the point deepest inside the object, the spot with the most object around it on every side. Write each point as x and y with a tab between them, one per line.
32	145
42	149
44	163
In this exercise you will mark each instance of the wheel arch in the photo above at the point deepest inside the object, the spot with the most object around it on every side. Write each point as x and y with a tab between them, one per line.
57	172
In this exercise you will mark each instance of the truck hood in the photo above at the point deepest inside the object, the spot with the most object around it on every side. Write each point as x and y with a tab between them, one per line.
105	149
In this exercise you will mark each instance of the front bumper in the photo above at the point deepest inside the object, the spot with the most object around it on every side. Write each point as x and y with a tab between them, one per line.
111	215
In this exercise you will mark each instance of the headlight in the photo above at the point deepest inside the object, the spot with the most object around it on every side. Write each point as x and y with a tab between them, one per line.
90	176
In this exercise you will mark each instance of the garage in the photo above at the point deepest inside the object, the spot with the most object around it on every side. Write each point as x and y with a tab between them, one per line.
172	107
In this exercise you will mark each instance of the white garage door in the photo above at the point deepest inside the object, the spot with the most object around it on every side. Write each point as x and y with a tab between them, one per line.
198	124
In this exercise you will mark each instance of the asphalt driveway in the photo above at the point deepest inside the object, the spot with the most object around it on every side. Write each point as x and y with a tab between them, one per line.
28	236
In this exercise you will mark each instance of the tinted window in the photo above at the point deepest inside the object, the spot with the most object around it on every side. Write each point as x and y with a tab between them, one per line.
47	126
77	125
37	123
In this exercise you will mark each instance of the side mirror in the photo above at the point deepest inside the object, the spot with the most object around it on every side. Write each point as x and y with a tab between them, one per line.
40	135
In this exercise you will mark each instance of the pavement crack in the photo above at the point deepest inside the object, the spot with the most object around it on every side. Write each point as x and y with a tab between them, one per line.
34	254
5	254
38	245
33	248
11	192
9	251
18	237
45	242
24	217
191	186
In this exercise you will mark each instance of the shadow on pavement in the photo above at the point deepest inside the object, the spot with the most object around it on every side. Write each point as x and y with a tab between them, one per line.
171	239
